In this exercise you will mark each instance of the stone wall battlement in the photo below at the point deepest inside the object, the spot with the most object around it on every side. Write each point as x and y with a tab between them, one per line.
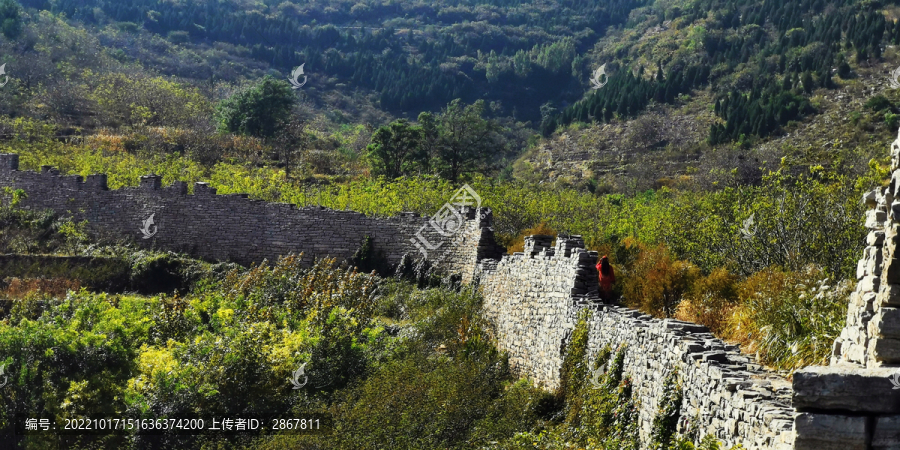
534	299
726	394
236	228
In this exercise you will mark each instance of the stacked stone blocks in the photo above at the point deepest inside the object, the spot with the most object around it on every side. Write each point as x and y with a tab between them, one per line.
854	403
534	299
235	228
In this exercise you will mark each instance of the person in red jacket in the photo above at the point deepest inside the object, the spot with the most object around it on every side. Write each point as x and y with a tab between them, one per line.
607	278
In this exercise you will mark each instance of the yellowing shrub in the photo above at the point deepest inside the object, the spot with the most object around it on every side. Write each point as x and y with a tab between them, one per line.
518	244
656	282
790	319
710	300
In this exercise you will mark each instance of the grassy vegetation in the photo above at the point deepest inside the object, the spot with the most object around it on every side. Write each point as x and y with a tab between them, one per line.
228	346
387	360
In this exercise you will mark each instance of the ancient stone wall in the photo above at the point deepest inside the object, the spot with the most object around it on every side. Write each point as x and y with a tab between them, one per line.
528	297
726	393
534	300
235	228
854	403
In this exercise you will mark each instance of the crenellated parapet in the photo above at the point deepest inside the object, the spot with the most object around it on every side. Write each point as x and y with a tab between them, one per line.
234	227
534	299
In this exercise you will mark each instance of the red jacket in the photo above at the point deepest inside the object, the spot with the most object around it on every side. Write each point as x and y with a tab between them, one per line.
607	275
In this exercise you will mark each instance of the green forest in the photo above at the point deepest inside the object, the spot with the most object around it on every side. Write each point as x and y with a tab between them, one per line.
712	113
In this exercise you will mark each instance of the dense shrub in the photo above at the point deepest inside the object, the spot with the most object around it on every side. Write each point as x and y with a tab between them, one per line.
710	300
790	319
290	291
656	282
75	357
422	403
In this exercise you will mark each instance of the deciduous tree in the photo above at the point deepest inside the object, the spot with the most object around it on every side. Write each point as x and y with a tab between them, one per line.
260	110
397	149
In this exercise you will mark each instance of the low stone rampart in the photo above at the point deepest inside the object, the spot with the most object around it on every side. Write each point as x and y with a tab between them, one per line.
534	299
233	227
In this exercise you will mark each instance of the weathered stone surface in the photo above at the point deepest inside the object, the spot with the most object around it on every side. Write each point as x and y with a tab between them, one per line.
868	199
891	270
830	432
887	433
889	295
871	283
235	228
875	238
875	219
883	351
885	323
845	389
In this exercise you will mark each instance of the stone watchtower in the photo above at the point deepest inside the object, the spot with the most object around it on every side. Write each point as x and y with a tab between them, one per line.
854	403
871	337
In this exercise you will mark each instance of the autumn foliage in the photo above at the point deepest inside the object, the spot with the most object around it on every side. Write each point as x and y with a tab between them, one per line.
656	282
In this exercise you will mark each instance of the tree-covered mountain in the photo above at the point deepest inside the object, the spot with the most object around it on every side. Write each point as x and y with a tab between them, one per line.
414	55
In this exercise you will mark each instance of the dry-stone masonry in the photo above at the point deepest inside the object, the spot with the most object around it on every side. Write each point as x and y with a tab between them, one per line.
534	299
235	228
855	402
726	394
528	297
